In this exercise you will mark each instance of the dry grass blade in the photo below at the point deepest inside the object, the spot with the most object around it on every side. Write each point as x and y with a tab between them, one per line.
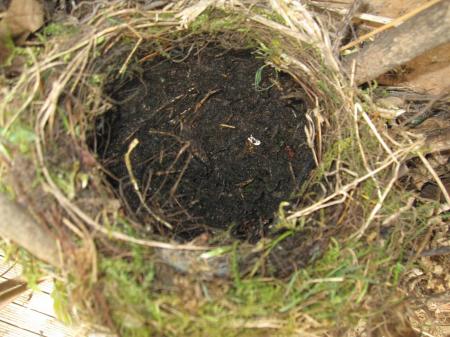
344	191
134	143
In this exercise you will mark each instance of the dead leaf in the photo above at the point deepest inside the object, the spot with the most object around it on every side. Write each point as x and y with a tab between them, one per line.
22	18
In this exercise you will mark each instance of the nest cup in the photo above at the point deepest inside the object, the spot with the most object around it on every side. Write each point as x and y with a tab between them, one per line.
181	171
104	66
214	141
75	87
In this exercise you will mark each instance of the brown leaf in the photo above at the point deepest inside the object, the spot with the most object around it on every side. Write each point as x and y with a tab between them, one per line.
22	18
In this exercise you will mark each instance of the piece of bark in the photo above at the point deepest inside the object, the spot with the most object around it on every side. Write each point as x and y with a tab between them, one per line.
401	44
22	18
17	225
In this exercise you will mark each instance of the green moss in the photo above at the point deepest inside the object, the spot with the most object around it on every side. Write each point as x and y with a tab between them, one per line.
199	23
67	180
54	29
339	147
329	92
19	135
331	290
214	21
128	286
268	14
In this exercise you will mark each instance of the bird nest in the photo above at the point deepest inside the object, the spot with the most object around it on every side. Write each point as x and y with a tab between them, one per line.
207	168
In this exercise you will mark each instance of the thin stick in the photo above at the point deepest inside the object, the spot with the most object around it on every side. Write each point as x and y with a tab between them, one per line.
435	176
204	99
342	191
113	234
393	23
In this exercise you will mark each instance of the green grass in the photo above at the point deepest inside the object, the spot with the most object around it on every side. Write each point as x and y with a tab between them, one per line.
332	291
258	79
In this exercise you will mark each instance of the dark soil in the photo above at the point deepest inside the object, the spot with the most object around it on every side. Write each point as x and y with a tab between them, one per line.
215	151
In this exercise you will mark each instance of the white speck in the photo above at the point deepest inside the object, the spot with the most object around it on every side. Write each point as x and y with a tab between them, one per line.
254	141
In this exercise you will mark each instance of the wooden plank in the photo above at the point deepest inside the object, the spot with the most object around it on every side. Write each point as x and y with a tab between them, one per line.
46	286
8	330
31	314
9	270
33	321
37	301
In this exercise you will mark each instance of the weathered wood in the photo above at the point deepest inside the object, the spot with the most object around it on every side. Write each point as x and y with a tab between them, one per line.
399	45
9	270
31	314
11	330
32	321
17	225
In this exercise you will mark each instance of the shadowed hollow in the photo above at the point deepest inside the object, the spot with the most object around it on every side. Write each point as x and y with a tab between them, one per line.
210	138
